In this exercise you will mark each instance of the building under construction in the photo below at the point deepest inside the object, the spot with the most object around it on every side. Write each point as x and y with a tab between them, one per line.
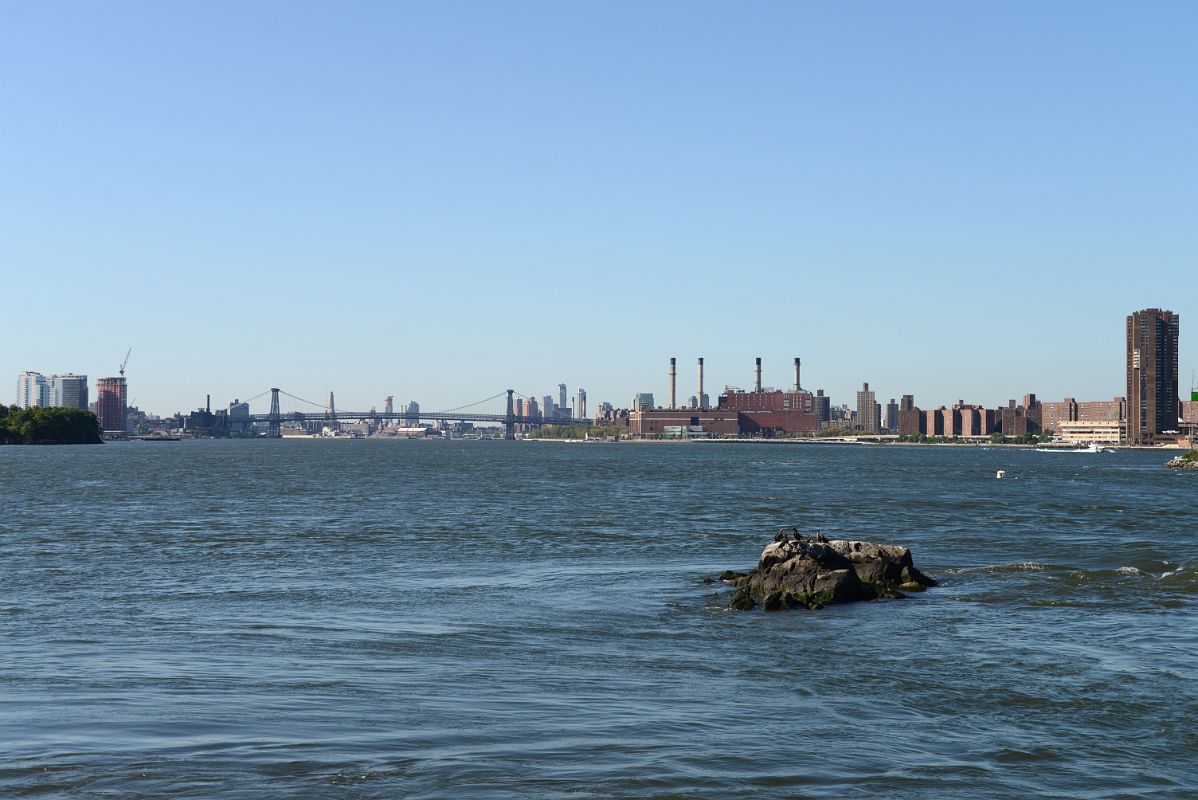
764	411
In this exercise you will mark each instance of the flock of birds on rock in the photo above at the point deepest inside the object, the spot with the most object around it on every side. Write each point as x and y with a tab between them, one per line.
817	538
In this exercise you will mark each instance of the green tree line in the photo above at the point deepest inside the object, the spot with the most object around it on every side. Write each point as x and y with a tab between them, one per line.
572	432
48	426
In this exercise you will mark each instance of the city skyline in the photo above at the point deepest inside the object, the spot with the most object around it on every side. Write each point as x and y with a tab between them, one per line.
889	195
760	377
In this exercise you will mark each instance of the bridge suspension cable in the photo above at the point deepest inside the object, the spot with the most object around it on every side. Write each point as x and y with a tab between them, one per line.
302	400
472	405
258	396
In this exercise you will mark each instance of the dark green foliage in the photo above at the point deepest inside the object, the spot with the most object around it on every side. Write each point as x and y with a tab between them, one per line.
835	432
48	426
573	432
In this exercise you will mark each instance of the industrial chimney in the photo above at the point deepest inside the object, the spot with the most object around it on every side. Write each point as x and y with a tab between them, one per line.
798	386
757	386
673	384
702	405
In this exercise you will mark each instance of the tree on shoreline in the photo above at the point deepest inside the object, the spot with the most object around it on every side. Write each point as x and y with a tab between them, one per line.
48	426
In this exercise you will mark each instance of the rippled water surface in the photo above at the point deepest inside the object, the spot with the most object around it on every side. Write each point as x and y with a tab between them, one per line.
370	619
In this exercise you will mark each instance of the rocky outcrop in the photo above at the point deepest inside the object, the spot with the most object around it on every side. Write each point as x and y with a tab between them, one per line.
812	573
1188	460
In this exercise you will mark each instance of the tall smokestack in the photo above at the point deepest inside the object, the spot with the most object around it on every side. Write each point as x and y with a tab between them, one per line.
702	405
208	404
798	386
673	384
757	386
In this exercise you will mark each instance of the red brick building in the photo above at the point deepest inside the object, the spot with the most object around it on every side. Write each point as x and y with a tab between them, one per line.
1069	410
910	418
1102	410
653	422
765	412
971	420
766	400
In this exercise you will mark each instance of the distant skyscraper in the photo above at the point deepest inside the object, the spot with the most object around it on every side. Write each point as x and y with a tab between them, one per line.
68	391
868	410
111	407
823	406
239	418
562	402
412	414
580	409
1151	374
547	405
892	411
642	399
33	391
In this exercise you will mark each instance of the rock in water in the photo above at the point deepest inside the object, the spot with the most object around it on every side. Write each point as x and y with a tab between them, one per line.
1185	461
813	574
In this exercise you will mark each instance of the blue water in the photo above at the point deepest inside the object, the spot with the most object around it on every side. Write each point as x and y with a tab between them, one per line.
379	619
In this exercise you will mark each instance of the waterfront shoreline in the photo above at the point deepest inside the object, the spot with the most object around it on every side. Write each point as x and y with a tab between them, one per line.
827	442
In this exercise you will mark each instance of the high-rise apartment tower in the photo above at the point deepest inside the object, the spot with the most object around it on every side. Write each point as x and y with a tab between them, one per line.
32	390
68	391
110	404
868	410
1151	374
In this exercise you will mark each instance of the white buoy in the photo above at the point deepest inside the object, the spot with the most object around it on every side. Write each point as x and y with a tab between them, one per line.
1002	473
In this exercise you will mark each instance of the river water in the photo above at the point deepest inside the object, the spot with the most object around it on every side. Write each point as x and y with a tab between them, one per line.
375	619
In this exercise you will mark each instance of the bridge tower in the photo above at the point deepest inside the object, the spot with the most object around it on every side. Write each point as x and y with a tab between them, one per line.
275	416
509	424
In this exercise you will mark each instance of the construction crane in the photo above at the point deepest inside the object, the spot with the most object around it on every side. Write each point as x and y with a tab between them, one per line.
126	361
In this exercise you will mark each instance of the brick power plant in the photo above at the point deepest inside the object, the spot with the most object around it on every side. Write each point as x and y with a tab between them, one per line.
762	411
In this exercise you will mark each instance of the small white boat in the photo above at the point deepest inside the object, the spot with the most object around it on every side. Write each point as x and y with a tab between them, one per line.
1090	448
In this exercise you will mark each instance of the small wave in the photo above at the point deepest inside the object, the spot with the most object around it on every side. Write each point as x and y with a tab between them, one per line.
1128	571
1018	566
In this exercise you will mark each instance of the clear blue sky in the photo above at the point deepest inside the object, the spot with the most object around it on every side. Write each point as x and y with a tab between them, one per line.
440	201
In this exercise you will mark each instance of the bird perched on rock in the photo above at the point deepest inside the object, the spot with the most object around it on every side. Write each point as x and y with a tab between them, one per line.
780	536
798	536
819	537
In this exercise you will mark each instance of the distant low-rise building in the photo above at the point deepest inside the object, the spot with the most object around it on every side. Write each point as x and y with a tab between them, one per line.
1070	410
654	422
1086	432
